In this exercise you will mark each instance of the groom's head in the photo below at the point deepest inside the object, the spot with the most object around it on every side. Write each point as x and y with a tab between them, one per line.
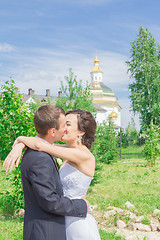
49	121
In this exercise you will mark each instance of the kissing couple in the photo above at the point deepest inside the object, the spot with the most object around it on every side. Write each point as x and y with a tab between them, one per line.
55	204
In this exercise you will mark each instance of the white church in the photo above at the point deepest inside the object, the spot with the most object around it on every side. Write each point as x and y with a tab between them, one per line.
104	98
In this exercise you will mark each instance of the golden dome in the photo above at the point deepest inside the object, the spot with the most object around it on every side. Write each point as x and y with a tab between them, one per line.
96	60
96	67
113	114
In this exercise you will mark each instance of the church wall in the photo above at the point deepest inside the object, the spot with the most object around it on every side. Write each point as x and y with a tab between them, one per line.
96	76
103	116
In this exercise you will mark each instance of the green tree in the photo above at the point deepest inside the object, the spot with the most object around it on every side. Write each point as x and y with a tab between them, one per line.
144	67
74	96
105	146
15	119
152	145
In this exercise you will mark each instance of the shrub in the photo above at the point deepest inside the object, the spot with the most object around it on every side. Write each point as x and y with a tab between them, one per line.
105	146
151	148
15	119
7	204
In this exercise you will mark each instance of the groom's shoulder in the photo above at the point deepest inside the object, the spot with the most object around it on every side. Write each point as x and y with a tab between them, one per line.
30	153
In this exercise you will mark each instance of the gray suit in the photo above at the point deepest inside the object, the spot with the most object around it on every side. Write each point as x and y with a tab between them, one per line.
45	205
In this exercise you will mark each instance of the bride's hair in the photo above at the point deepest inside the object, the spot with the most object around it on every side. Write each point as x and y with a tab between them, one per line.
87	124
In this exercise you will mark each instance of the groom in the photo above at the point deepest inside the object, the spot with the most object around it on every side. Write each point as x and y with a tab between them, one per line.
45	205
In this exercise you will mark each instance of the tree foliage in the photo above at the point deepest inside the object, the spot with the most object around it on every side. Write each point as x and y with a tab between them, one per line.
105	146
74	96
15	119
144	68
152	145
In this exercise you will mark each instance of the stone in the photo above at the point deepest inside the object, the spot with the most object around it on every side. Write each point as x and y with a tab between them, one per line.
156	212
153	227
129	205
110	213
120	224
142	227
131	226
158	228
118	210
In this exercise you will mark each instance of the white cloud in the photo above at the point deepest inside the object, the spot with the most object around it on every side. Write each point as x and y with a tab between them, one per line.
5	47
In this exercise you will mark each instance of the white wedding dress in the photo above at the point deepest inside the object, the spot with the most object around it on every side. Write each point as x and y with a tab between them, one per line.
75	185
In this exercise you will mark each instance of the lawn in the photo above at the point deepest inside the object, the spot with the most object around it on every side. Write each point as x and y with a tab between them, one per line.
11	228
126	180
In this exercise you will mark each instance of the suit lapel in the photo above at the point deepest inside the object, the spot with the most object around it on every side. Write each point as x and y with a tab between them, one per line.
55	163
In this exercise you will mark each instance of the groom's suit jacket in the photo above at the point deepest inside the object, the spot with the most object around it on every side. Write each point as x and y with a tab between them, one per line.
45	205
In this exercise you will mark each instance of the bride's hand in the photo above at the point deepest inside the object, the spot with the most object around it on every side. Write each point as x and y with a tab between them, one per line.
14	156
16	142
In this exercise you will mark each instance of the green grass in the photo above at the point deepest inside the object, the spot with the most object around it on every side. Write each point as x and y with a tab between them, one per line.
6	199
11	228
110	235
126	180
132	149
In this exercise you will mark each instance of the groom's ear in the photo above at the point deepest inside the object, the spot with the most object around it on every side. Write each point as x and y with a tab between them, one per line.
51	132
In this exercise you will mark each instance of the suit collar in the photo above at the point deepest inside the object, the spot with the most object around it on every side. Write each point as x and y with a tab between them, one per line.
53	158
55	163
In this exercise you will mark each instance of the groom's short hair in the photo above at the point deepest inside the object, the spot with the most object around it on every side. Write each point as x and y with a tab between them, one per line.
46	117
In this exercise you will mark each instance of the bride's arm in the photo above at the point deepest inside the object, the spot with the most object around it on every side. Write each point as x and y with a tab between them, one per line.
14	156
72	154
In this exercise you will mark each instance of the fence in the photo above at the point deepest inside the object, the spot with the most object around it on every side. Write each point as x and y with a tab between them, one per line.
131	147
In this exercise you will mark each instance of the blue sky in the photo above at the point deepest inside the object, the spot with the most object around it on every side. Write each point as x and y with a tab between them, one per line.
40	40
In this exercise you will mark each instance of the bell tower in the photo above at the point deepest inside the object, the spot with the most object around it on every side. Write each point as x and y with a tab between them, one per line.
96	73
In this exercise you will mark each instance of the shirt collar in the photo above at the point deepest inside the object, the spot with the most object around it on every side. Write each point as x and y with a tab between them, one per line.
42	139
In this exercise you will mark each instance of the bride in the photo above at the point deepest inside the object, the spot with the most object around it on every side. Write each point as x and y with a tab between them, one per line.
77	170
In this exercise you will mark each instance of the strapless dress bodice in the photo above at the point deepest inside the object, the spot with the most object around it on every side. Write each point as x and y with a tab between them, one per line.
75	183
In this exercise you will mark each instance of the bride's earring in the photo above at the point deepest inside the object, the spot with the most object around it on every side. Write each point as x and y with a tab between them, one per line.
79	139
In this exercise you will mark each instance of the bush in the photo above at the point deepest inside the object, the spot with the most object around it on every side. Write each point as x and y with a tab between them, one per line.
7	204
151	148
15	119
105	146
